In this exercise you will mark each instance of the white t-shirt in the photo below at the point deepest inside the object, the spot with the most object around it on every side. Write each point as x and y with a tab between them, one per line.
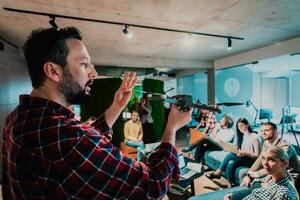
225	134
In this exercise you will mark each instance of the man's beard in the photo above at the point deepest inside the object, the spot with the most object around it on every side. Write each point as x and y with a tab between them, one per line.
72	91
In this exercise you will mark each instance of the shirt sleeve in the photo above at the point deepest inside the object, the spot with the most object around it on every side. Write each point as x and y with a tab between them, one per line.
126	131
256	148
99	170
141	132
103	127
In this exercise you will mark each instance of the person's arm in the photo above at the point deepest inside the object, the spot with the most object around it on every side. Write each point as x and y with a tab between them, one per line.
122	97
228	196
146	109
141	132
215	130
210	122
176	120
255	154
126	131
198	126
93	167
257	164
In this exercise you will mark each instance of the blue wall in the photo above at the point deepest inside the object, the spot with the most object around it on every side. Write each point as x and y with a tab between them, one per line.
195	85
235	85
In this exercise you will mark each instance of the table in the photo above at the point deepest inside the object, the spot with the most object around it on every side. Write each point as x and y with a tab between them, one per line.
185	183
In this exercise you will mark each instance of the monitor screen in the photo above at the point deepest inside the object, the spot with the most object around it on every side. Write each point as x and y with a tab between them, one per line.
289	119
181	161
265	113
295	110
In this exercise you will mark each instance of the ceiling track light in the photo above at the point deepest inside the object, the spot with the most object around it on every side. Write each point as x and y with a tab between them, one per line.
52	22
125	30
230	38
229	43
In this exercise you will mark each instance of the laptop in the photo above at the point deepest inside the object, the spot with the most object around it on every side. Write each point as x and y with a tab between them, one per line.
228	147
185	172
151	147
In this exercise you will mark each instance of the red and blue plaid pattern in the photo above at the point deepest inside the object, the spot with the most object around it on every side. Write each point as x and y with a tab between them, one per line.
47	154
210	121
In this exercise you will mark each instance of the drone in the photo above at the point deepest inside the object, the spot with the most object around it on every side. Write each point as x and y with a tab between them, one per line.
183	101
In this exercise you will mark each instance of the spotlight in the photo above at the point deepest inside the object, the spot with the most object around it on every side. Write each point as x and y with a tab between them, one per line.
127	34
52	22
229	43
125	30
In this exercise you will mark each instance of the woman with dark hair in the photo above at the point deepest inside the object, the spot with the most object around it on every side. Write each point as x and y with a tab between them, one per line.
248	146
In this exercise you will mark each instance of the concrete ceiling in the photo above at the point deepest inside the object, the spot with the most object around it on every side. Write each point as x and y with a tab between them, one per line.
260	22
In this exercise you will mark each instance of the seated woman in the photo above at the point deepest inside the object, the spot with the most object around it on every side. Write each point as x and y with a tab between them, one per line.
222	131
276	185
248	146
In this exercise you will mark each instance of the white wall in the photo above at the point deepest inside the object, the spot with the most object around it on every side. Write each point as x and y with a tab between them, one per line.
274	95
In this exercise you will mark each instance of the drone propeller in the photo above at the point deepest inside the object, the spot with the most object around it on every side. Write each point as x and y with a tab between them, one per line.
230	104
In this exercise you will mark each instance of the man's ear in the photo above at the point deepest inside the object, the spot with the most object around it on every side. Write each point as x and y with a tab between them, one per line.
53	71
286	163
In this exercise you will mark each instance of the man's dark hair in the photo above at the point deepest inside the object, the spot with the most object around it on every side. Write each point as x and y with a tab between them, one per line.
273	126
47	45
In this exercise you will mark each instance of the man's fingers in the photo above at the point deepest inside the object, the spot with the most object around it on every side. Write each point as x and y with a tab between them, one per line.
129	80
125	79
132	80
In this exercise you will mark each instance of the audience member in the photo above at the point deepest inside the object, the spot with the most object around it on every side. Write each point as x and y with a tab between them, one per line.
222	131
248	146
133	133
145	112
207	120
277	185
270	136
47	154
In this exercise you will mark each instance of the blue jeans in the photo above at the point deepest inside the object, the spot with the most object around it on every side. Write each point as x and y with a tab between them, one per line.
139	147
237	161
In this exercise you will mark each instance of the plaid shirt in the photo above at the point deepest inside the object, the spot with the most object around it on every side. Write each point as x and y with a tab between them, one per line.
280	190
208	121
47	154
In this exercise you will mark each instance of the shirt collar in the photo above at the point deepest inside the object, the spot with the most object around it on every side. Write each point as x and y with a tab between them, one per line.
37	102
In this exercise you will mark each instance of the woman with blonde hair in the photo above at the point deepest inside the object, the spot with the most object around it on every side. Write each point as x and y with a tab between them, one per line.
277	185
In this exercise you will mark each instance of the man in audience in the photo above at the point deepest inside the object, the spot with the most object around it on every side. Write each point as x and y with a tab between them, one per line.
48	154
133	133
207	120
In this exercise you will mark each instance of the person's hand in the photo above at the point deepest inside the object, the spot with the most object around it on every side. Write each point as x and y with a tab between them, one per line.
178	118
246	181
241	153
228	196
122	97
123	94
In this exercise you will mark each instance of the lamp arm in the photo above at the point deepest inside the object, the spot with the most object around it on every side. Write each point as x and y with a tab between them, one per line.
256	115
253	106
